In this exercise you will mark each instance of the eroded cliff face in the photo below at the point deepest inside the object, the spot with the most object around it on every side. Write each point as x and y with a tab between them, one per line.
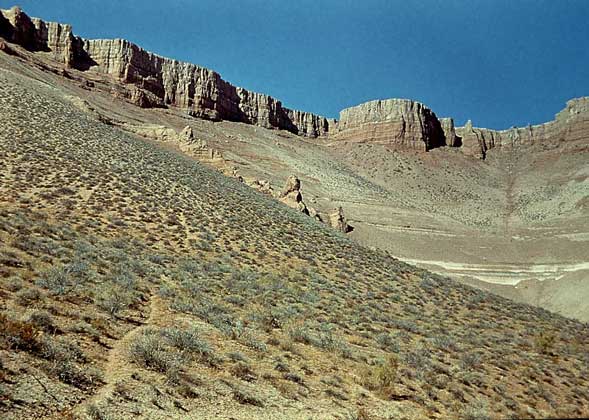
449	130
153	81
398	122
570	125
149	80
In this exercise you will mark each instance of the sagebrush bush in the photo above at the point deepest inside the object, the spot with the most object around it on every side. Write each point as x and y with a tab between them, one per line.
189	341
64	279
19	335
150	350
382	377
43	320
544	342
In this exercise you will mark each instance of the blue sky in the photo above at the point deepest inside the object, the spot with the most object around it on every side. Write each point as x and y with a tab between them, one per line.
499	63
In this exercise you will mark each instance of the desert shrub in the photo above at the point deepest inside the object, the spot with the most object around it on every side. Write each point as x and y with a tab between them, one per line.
113	299
19	335
190	342
158	259
407	325
388	342
64	279
43	320
445	343
470	360
337	394
238	356
64	359
293	377
14	284
72	373
150	350
251	340
83	327
301	333
273	317
472	378
544	342
61	351
329	340
124	278
418	359
245	396
29	296
381	377
477	410
243	371
428	284
97	412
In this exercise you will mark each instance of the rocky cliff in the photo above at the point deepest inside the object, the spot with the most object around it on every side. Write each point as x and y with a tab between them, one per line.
154	81
149	80
570	125
399	122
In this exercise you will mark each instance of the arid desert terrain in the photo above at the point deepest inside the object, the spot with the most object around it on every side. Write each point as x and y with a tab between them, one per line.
173	246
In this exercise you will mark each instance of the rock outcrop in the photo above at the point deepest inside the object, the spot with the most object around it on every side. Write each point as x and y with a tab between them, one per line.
337	220
149	80
397	122
153	81
262	185
184	140
291	195
55	39
197	147
569	126
450	137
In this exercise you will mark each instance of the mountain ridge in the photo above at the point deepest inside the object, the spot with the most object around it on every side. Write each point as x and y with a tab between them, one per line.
151	80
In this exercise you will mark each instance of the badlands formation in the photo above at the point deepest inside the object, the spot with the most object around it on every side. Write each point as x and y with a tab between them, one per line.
505	210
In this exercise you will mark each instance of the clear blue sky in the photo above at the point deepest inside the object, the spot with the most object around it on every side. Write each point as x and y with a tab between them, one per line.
497	62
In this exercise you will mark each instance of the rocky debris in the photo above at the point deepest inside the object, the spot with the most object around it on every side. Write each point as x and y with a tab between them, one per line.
153	132
396	122
197	147
262	185
291	195
185	139
154	81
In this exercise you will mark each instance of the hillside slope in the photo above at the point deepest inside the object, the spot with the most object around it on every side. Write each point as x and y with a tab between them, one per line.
517	216
135	281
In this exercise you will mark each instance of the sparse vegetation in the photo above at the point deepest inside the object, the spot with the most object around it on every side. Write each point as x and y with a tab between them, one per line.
194	291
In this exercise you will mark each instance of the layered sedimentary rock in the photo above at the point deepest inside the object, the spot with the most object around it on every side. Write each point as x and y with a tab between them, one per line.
570	125
149	80
56	39
449	130
398	122
154	81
